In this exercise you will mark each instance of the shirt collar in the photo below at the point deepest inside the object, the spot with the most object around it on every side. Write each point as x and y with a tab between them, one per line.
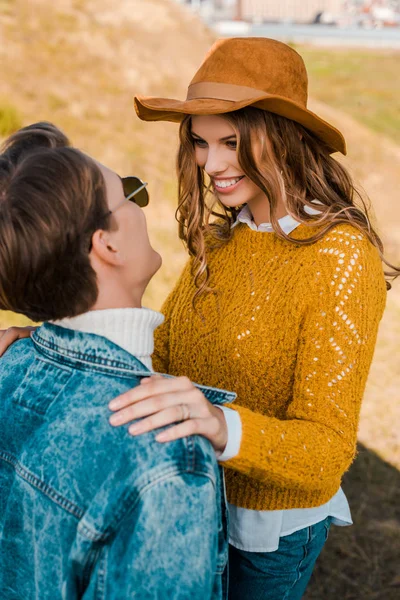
287	223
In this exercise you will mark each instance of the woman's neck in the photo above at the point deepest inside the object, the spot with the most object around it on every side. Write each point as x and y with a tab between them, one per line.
261	212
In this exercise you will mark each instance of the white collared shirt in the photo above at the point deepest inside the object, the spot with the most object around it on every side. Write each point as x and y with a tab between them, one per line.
260	531
287	223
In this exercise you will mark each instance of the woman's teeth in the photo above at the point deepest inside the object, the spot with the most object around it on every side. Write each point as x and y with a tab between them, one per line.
224	183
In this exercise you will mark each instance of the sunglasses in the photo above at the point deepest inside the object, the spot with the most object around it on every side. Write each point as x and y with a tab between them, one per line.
135	190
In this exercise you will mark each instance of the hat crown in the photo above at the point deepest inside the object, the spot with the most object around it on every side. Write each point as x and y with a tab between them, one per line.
260	63
241	72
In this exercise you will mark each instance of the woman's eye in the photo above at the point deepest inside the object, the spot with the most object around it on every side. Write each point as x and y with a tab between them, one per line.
199	143
232	144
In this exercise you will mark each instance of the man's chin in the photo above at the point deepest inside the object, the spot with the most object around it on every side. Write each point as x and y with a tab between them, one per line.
158	262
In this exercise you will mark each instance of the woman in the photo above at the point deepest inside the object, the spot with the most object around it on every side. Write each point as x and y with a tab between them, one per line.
280	302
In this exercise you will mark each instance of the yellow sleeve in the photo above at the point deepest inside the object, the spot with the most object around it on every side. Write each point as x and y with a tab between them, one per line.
345	297
160	357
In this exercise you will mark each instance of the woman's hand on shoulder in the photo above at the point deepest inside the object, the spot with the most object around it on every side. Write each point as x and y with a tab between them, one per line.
12	334
159	401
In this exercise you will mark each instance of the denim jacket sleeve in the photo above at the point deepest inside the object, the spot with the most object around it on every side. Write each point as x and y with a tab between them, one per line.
162	549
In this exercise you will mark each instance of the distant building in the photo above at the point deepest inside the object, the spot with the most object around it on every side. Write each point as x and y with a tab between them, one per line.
301	11
363	13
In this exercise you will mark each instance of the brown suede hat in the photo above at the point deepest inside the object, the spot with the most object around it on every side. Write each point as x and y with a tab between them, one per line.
239	72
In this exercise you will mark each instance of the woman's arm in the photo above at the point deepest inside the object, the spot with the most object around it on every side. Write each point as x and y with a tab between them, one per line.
160	358
158	401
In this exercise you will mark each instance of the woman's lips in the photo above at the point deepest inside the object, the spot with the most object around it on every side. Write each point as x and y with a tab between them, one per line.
227	189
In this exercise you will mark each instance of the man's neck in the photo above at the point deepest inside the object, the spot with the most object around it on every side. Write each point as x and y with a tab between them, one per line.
114	297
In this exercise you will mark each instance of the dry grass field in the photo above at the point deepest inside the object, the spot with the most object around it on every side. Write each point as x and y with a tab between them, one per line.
79	63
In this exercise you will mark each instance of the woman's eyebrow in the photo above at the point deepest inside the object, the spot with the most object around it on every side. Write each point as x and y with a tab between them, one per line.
224	139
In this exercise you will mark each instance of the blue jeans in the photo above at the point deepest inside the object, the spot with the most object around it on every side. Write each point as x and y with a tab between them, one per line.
280	575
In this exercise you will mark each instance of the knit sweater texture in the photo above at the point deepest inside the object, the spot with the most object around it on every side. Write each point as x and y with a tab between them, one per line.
291	329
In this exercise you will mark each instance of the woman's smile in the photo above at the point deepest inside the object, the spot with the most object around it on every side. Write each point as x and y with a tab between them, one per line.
225	185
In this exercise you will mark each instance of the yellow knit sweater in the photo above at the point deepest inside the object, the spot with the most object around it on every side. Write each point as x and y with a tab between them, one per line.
292	331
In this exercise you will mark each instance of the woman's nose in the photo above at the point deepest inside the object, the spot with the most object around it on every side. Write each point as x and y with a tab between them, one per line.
215	163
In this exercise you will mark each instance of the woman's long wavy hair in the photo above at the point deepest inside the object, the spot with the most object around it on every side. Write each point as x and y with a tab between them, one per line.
291	166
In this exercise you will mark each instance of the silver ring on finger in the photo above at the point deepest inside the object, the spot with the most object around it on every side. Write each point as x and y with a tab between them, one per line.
185	412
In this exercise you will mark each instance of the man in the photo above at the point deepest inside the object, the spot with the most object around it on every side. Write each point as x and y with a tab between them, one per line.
87	511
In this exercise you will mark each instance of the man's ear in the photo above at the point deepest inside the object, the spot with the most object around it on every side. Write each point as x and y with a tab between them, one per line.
104	248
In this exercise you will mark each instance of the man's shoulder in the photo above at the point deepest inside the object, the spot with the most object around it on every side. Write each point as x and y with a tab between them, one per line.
82	419
14	365
20	352
106	468
146	473
52	387
70	433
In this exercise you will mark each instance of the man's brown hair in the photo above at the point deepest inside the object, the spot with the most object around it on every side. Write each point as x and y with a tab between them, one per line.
52	199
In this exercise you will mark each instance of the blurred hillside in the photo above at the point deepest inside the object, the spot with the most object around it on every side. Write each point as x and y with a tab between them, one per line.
79	63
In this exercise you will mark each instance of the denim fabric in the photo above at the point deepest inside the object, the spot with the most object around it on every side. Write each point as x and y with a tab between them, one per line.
87	511
280	575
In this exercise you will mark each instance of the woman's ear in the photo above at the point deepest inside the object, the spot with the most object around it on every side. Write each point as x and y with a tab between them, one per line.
104	248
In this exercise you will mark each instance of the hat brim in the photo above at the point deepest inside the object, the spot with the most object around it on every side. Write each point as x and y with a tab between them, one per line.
166	109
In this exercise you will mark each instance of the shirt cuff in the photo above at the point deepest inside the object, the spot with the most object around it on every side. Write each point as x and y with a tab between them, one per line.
234	425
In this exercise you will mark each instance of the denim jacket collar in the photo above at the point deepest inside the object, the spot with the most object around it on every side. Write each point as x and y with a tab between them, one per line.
97	353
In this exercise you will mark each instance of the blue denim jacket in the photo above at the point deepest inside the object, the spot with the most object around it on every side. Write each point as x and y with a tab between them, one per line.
87	511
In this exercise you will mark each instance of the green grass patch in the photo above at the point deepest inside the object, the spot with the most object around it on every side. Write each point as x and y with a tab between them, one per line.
365	83
7	7
10	119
